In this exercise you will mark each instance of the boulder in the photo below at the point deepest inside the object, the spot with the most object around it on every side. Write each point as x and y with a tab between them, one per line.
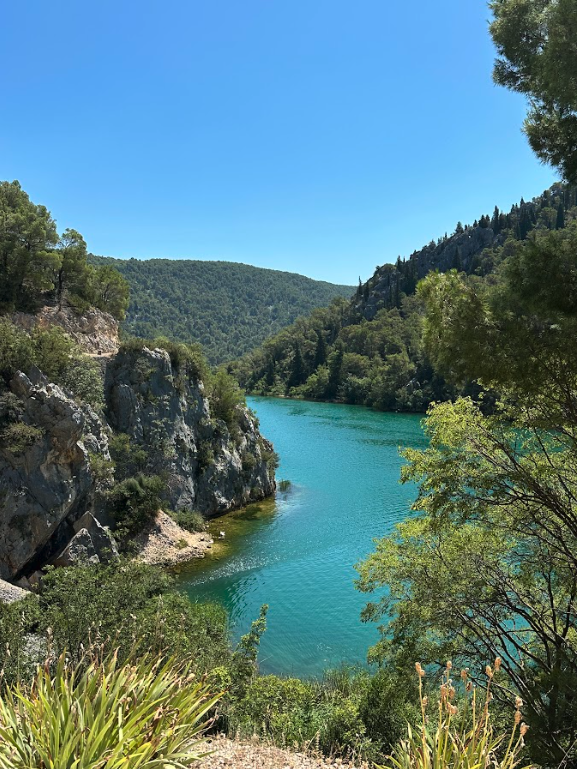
10	593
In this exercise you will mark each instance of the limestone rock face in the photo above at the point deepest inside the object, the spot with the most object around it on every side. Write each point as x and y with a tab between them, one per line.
457	251
95	331
209	467
51	511
47	483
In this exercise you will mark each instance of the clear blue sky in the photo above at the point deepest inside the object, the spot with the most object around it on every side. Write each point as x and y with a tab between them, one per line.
317	136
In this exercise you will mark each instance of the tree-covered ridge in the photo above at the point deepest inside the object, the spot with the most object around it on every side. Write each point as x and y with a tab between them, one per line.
229	308
39	266
369	351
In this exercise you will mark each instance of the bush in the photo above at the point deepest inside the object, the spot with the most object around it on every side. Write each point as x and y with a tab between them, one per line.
129	607
135	502
18	621
103	714
191	520
16	350
18	436
128	460
83	377
56	355
225	396
462	736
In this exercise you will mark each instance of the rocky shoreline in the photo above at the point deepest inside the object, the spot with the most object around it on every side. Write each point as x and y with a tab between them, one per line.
165	543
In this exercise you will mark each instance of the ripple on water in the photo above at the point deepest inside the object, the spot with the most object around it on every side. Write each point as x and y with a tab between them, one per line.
297	553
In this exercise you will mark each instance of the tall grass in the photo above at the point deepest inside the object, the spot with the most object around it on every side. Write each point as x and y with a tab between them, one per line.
101	714
464	736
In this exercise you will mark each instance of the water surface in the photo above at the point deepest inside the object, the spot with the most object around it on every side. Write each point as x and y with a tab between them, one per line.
296	553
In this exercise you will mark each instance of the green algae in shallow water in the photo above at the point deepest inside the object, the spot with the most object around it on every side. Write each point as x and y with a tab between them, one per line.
236	526
297	553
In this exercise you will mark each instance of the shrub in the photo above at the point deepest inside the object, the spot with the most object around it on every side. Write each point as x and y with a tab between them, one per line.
16	350
128	459
225	396
83	377
135	502
129	607
191	520
463	737
18	436
17	623
145	714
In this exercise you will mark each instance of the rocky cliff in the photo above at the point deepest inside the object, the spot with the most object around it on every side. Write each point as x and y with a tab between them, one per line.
46	479
95	331
208	465
460	251
56	468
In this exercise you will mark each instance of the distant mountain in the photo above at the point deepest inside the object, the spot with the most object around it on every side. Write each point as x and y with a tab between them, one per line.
229	308
369	350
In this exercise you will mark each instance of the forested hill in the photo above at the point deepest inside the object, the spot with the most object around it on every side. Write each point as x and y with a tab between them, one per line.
229	308
369	350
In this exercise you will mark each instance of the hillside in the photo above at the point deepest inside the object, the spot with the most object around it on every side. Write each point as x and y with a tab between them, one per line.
229	308
369	350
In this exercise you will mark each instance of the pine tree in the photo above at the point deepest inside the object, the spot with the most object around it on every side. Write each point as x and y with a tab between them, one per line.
297	376
321	350
560	223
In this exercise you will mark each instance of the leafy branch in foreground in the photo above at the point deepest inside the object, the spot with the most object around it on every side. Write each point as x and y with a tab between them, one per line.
147	714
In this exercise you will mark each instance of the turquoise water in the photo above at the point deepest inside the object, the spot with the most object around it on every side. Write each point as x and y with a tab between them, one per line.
296	553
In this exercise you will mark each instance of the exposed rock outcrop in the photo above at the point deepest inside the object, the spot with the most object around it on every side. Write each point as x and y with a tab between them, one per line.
209	466
11	593
46	482
51	511
94	331
458	251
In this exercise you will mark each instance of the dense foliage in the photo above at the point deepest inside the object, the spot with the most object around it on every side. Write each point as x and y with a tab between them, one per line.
489	564
537	45
100	713
228	308
37	266
370	350
131	610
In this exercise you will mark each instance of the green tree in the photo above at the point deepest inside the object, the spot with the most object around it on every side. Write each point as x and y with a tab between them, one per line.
536	42
27	256
72	272
489	566
109	291
297	375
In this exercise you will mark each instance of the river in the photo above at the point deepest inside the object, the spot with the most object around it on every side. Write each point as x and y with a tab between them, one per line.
296	553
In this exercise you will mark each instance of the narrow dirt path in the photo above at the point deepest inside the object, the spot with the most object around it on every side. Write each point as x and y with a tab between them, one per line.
230	754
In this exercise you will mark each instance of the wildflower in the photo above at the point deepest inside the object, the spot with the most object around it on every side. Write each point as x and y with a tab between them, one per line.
497	665
517	717
419	669
464	674
518	703
453	710
469	686
524	728
489	671
449	664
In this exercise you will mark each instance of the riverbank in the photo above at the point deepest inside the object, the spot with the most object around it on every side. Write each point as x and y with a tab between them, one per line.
165	543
